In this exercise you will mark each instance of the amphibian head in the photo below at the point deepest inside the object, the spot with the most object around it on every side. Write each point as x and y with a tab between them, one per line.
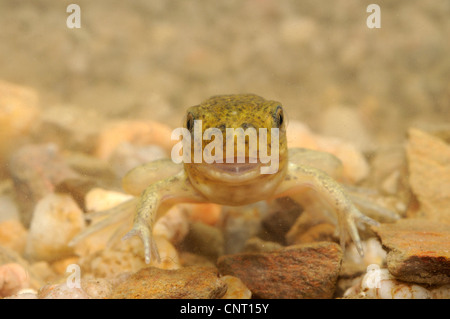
239	179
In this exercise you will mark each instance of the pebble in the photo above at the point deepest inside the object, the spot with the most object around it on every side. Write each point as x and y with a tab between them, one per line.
380	284
389	172
373	253
8	208
346	123
99	199
135	132
86	289
418	250
127	256
13	277
8	256
204	240
235	288
96	200
88	165
127	156
56	219
257	245
24	294
70	127
207	213
19	111
429	175
287	273
13	235
61	291
276	224
185	283
355	166
34	179
320	232
174	225
238	224
306	221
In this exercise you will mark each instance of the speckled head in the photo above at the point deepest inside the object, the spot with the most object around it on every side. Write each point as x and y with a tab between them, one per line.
231	181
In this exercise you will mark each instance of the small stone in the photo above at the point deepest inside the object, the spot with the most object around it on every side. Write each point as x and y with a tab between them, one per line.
235	288
345	122
8	208
96	200
429	169
71	289
60	266
355	166
43	271
380	284
99	199
62	291
36	178
354	265
321	232
302	224
8	256
24	294
13	277
418	250
174	225
283	214
188	259
135	132
184	283
109	262
91	166
128	156
207	213
13	235
97	288
238	224
204	240
257	245
18	113
300	271
70	127
56	219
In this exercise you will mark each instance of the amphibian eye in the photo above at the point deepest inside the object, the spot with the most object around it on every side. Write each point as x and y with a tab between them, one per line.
190	122
279	116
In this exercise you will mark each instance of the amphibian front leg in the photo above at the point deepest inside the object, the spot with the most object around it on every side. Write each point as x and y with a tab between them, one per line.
156	199
300	176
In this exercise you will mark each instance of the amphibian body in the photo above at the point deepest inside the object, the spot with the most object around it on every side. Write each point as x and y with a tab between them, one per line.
234	183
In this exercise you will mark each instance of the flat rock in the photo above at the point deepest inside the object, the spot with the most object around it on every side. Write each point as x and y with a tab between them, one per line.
429	171
418	250
185	283
300	271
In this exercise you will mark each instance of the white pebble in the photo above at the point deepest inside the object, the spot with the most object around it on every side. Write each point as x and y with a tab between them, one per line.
56	219
380	284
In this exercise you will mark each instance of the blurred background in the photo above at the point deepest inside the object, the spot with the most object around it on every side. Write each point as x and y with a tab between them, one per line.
153	59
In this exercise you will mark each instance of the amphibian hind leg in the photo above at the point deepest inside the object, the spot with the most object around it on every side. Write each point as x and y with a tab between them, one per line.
154	202
300	176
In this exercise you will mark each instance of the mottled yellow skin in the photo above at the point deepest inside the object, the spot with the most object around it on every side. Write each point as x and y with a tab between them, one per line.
163	183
